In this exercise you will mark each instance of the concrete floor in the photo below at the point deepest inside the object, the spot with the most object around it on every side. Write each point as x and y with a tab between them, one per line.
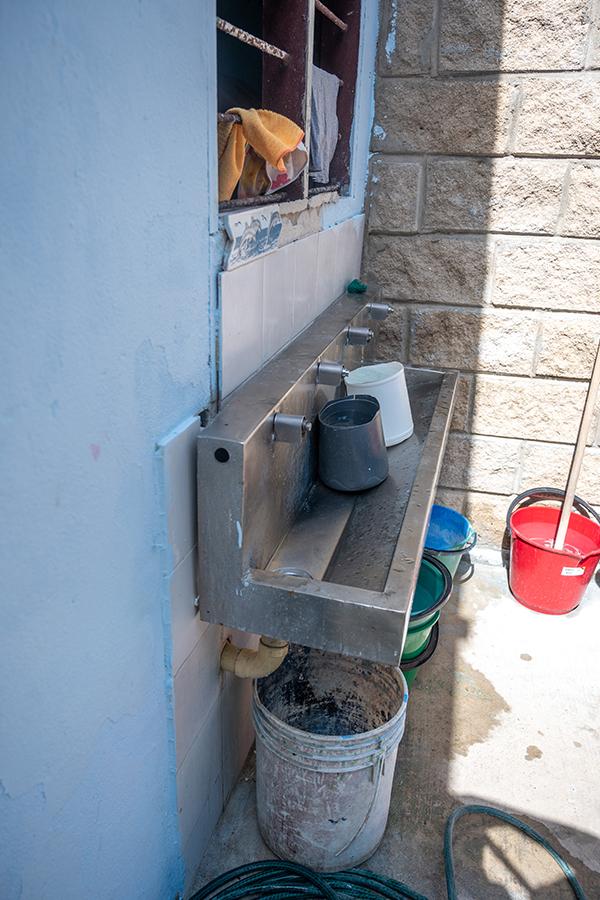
506	713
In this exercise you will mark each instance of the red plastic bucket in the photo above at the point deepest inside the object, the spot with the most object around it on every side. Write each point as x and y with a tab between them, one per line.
541	578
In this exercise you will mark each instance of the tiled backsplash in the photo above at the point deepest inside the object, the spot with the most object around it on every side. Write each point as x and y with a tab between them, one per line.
268	301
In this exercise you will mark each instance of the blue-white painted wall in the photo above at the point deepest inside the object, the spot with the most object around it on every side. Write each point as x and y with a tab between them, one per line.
109	253
106	344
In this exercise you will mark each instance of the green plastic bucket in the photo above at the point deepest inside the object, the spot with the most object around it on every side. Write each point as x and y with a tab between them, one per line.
449	536
434	586
410	667
417	637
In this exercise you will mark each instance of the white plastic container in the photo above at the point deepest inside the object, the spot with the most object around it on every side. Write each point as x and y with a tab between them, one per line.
387	383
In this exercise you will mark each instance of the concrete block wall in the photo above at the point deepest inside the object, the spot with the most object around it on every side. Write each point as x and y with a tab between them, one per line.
484	229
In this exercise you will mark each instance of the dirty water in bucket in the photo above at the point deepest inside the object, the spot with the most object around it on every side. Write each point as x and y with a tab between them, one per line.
327	735
327	694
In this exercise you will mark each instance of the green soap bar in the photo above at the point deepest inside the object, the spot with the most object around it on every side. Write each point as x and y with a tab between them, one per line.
356	287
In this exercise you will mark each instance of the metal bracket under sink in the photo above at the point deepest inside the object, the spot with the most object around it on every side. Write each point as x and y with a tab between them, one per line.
262	508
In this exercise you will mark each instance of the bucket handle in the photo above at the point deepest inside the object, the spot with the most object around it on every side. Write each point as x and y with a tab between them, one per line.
469	544
548	493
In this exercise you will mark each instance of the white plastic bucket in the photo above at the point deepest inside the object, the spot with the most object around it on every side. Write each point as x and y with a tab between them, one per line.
327	735
387	383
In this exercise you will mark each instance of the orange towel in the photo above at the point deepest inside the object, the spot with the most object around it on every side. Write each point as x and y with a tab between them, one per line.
269	134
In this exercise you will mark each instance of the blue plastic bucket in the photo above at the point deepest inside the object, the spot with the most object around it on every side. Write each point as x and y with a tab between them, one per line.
449	536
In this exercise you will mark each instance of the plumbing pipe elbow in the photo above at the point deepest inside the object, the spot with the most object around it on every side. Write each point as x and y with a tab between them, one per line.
254	663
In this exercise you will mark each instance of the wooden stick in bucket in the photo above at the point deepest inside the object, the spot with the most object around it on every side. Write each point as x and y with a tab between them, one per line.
584	427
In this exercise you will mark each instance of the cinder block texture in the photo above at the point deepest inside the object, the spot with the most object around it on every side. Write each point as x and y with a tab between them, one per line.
392	341
451	497
471	340
494	194
435	115
559	117
394	192
594	47
481	464
430	269
547	274
568	346
462	407
406	39
539	409
489	35
583	210
486	512
485	228
548	464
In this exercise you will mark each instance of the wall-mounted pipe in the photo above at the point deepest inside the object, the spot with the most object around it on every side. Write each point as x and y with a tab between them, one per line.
254	663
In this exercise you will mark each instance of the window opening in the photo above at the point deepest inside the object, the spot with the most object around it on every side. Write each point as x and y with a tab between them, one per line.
263	59
335	51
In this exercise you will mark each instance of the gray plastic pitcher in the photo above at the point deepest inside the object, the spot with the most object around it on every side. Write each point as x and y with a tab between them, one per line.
352	453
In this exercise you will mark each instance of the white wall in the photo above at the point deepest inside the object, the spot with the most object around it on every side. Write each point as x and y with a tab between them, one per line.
106	345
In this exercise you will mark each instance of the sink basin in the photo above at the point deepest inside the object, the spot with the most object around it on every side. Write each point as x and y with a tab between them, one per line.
262	508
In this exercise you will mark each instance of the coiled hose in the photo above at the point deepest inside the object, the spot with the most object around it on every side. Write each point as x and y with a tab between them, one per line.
278	880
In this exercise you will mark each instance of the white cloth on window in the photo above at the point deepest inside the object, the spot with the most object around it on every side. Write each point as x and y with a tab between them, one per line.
323	123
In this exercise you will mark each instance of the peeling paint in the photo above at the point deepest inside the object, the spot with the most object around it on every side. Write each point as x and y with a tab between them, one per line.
390	44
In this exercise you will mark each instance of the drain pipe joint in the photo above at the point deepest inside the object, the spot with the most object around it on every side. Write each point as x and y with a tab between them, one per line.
254	663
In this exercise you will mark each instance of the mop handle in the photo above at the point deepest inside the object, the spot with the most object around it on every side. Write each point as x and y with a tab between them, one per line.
584	427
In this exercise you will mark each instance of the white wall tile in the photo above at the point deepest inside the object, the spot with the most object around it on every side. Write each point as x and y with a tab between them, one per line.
199	778
305	253
238	730
349	250
194	849
179	460
278	300
327	283
197	687
186	625
241	303
286	290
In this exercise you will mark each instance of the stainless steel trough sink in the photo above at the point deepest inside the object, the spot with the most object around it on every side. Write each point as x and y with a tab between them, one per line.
261	507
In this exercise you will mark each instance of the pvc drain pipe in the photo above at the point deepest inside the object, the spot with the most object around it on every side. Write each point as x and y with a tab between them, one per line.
254	663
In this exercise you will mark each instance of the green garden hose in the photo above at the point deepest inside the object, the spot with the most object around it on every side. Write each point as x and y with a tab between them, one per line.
278	880
516	823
